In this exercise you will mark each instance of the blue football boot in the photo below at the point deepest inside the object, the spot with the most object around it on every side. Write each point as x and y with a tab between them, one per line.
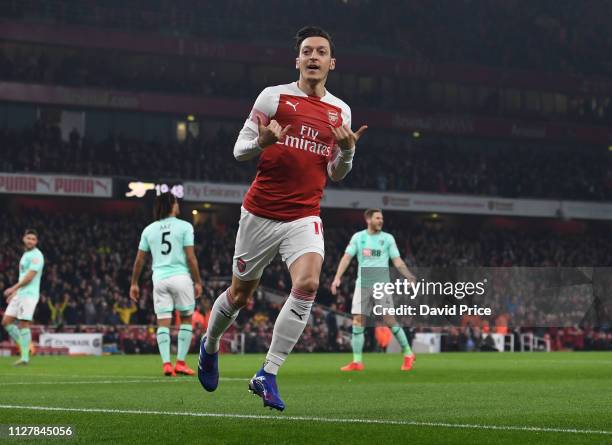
208	368
263	384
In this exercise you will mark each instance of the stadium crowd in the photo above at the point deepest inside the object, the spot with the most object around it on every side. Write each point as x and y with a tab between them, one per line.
202	77
430	164
562	36
89	260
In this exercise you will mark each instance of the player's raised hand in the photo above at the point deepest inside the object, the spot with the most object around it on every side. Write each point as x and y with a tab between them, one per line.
197	288
345	137
270	134
334	286
134	293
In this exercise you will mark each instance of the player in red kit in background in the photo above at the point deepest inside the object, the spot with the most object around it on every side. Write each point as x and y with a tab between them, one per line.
302	134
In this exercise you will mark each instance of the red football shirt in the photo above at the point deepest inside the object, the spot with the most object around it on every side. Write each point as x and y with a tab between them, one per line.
292	173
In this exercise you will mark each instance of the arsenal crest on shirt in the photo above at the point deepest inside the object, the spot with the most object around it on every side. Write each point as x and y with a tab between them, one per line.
333	116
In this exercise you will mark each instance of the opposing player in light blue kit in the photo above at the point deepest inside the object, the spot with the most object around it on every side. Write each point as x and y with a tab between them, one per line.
374	248
176	278
23	297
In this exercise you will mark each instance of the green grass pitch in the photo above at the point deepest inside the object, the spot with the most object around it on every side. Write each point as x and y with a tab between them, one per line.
528	398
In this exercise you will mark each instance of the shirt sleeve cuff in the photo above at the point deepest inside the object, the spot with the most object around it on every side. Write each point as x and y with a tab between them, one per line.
347	155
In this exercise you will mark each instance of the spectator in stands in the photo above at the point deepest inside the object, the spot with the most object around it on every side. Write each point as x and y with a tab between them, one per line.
89	310
124	310
110	340
433	164
100	283
57	310
72	315
43	312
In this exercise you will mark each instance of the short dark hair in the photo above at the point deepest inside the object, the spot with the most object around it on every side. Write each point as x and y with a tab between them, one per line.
313	31
368	213
30	232
163	205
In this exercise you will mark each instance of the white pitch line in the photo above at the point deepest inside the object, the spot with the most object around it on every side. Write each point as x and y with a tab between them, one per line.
92	376
114	382
94	382
280	417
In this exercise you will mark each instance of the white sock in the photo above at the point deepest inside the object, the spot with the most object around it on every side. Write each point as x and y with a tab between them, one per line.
288	328
222	316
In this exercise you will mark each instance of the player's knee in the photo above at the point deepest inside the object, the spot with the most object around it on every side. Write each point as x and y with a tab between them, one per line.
241	296
7	320
307	284
242	291
163	321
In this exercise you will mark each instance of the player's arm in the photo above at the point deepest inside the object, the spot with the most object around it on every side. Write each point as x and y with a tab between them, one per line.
342	266
397	261
11	291
192	260
136	272
143	248
259	130
349	253
340	165
342	160
403	269
194	269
